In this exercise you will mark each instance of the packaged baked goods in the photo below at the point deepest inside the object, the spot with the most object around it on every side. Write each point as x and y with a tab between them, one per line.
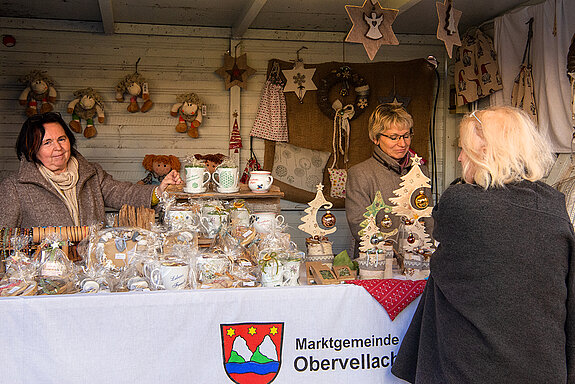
114	248
213	271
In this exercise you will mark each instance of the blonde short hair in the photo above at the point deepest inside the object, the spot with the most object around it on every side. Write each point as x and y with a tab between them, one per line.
386	115
504	146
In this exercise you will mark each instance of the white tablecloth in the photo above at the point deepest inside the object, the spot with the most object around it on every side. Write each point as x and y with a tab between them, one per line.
329	333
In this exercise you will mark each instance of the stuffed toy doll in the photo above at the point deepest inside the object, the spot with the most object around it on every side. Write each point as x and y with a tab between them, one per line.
189	109
158	166
136	86
39	95
87	103
211	161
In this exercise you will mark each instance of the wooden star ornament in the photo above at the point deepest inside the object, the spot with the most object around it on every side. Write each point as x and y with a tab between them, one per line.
235	71
447	26
299	80
371	26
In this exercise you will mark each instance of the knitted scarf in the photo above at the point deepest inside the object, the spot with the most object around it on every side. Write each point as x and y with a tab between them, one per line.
65	183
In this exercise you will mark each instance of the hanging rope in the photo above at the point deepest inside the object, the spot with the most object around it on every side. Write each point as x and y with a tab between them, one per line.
341	130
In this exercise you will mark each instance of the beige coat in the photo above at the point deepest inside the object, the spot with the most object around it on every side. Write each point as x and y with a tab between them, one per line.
378	173
29	200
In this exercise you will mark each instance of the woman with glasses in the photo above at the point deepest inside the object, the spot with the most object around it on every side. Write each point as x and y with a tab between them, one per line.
390	128
56	186
499	303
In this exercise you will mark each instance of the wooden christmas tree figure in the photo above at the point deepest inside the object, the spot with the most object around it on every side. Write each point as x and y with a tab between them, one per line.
370	232
412	183
310	224
412	203
417	249
371	211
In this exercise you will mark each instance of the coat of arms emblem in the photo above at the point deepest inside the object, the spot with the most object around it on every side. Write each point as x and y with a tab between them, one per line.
252	351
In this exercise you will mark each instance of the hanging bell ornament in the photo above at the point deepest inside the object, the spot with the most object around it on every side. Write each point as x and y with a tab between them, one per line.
421	201
411	238
328	220
386	222
407	221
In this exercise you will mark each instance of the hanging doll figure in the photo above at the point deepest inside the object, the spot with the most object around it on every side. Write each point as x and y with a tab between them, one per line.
39	90
189	109
158	166
136	86
87	103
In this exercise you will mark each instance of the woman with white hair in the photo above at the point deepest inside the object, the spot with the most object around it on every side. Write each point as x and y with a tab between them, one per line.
499	303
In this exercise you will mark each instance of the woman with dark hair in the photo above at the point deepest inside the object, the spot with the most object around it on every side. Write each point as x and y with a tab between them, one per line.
499	305
56	186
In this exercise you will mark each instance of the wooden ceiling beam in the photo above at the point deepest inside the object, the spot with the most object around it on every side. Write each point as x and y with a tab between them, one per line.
249	14
107	13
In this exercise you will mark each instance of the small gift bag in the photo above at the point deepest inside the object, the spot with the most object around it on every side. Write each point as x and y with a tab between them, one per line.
338	179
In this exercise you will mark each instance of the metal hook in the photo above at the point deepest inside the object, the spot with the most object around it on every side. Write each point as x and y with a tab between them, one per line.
137	62
297	52
236	49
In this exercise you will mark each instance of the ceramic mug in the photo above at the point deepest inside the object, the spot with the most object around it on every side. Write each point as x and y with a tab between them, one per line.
226	179
170	275
272	275
212	222
240	217
196	179
264	222
260	181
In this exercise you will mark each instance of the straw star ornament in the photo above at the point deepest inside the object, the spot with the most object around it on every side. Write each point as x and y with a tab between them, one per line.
235	71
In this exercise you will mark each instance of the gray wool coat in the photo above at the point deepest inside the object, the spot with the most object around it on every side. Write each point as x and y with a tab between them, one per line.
29	200
499	305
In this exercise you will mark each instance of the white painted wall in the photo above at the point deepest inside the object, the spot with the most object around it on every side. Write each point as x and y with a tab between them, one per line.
179	60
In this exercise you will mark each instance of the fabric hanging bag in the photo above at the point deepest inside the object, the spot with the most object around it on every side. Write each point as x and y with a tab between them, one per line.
523	95
271	118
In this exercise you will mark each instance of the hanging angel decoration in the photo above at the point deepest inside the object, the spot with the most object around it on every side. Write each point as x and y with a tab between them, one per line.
371	26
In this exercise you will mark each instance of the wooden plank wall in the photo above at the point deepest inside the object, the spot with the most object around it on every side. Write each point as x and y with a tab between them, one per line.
176	60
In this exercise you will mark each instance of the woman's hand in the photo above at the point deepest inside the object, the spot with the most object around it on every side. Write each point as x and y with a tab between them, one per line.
171	178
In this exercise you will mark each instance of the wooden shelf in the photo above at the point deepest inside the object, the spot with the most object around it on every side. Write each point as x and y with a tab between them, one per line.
243	193
256	202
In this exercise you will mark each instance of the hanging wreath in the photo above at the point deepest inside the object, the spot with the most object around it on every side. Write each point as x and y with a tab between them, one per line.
348	79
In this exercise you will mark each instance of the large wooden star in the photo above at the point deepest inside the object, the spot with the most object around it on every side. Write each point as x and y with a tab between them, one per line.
447	26
235	71
299	80
371	26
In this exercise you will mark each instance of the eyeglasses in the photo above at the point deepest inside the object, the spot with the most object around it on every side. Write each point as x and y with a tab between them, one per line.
405	137
476	118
